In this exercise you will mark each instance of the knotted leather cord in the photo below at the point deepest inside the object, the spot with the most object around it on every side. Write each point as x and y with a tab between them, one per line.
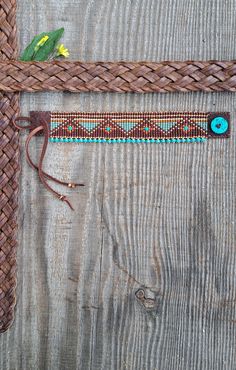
42	174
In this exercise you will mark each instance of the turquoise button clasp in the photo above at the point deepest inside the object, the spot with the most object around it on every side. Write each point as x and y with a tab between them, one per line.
219	125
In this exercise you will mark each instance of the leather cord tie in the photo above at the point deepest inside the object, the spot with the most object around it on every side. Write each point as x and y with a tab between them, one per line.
39	168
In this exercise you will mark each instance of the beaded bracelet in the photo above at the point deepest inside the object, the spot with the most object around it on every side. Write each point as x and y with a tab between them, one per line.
124	127
134	127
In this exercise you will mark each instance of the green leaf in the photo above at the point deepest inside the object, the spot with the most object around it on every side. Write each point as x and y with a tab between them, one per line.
45	50
29	51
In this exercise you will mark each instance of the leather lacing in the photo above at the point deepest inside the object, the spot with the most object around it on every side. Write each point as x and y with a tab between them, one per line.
39	168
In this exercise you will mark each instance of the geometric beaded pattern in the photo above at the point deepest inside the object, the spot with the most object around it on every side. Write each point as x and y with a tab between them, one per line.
131	127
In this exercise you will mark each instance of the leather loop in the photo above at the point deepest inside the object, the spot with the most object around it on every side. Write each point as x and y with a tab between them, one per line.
42	175
24	119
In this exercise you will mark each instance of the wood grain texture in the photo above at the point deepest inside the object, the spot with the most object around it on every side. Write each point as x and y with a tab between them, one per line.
157	219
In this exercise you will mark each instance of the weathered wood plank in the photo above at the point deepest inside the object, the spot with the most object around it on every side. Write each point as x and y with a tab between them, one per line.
156	218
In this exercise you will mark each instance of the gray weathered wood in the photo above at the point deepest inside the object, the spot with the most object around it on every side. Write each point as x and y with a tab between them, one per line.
156	218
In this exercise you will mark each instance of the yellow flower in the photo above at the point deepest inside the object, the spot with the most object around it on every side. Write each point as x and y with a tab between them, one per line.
62	51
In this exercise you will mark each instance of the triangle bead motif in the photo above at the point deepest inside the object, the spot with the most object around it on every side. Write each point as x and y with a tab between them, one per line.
166	126
127	126
89	126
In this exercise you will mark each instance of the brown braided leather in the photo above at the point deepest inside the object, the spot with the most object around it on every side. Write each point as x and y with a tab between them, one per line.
120	77
9	166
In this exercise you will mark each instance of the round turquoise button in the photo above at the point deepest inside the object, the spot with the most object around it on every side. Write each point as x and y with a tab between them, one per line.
219	125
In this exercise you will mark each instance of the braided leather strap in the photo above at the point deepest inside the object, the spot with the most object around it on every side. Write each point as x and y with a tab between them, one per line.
9	165
143	77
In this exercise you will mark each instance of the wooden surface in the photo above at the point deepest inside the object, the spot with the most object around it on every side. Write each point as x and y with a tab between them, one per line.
158	219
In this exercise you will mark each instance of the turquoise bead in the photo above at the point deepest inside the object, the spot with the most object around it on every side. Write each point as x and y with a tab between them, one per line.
127	140
219	125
